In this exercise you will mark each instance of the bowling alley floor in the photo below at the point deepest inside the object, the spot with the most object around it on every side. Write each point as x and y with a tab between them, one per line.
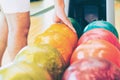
41	22
117	16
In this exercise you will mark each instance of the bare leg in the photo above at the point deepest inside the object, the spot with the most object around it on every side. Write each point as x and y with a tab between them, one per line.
3	34
18	26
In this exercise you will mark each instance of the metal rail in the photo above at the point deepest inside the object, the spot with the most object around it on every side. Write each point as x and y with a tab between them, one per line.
42	11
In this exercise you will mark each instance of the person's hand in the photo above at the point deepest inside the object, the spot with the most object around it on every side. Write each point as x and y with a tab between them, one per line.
60	17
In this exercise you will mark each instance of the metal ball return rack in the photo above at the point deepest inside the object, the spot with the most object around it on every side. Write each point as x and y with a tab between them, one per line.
86	11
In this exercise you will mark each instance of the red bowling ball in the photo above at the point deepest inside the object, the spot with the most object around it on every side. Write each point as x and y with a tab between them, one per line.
98	49
99	33
92	69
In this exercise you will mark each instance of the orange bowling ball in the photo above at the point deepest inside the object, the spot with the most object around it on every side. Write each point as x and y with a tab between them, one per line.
61	37
64	30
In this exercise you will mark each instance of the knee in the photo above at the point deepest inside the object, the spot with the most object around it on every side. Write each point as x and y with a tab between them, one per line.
23	32
19	31
18	24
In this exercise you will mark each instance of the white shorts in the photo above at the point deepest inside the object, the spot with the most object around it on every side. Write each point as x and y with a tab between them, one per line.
15	6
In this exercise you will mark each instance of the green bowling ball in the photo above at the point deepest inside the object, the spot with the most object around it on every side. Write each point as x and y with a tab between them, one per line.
45	56
77	26
24	71
102	24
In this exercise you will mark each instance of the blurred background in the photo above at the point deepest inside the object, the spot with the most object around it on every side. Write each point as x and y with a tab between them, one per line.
42	12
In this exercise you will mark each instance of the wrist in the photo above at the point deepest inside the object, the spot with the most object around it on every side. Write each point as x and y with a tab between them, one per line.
59	4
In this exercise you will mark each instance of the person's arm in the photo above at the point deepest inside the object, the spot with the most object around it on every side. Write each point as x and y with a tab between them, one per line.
60	16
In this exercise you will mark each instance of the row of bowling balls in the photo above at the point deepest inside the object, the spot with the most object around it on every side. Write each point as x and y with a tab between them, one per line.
96	24
56	54
97	54
44	59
